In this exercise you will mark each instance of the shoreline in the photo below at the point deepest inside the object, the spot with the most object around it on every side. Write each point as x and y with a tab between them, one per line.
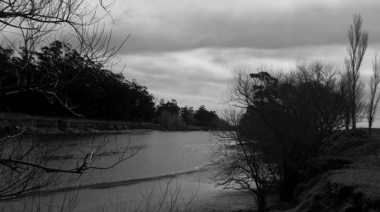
33	124
196	187
198	182
105	185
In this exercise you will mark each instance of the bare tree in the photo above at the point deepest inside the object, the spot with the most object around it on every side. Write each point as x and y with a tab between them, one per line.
332	79
344	88
68	203
44	17
243	163
33	163
374	95
360	101
239	93
51	11
27	25
284	119
163	196
358	41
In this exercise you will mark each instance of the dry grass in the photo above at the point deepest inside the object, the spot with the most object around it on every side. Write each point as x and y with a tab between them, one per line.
354	186
364	172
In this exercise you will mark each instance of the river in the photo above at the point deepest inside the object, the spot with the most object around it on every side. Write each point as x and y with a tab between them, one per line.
160	153
160	156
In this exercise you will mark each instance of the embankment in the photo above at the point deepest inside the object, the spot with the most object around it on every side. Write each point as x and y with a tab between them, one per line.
33	123
344	177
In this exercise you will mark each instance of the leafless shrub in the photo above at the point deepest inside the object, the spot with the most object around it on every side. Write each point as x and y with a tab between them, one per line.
161	197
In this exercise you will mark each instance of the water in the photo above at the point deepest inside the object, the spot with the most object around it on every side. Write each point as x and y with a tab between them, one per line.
159	154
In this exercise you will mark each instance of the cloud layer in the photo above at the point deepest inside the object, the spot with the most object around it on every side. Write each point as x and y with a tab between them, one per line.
185	50
164	25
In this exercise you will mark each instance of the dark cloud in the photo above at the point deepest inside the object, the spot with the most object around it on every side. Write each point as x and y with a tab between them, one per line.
185	50
197	76
235	27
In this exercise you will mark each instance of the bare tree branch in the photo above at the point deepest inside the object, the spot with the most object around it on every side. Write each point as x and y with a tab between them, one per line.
374	95
358	41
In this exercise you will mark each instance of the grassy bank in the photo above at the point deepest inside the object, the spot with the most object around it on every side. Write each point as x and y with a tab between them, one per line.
32	123
345	176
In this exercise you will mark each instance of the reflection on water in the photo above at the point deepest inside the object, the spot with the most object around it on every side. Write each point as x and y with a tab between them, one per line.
161	153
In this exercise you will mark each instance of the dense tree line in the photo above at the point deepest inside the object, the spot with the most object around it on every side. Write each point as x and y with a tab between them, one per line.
58	81
171	116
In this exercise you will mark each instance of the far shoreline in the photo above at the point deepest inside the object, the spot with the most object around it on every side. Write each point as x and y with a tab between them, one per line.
33	124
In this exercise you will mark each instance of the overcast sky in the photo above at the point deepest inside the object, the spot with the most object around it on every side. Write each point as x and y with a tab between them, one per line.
186	49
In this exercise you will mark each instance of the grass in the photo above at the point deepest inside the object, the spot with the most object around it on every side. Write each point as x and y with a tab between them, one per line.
345	177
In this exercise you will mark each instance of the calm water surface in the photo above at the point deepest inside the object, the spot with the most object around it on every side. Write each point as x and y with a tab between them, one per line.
161	153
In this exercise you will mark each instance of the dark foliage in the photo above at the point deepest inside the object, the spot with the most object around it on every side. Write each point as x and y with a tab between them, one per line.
206	118
187	114
58	81
291	115
170	106
171	116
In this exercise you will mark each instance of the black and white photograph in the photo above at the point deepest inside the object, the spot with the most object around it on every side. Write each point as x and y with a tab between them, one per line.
189	106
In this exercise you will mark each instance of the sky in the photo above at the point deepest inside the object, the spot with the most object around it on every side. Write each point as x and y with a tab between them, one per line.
186	49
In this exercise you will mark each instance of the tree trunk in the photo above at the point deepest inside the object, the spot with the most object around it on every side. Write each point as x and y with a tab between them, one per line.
347	123
261	201
353	105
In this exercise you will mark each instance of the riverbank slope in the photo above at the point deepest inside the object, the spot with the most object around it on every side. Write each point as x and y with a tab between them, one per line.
35	124
345	176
